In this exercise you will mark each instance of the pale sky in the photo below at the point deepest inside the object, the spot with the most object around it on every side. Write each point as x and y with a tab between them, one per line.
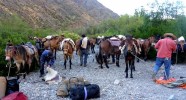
122	7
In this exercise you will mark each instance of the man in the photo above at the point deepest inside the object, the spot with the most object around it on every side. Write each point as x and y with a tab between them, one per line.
84	47
46	56
165	48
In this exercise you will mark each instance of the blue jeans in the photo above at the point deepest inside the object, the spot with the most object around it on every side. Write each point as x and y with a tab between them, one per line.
159	63
83	53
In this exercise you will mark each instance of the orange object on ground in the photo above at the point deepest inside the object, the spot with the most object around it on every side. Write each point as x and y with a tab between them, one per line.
161	81
183	86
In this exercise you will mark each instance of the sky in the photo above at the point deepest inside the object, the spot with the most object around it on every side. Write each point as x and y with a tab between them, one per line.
122	7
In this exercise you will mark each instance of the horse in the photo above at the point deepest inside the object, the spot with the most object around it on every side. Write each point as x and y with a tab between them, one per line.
108	47
180	55
52	43
68	48
130	51
22	55
92	44
147	44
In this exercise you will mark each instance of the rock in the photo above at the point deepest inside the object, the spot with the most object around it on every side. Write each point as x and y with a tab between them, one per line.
116	81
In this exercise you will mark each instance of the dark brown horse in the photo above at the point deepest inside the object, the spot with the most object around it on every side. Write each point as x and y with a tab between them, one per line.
108	47
130	51
92	44
21	55
68	47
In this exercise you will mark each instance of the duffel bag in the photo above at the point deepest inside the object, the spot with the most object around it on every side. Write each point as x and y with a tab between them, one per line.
84	92
12	85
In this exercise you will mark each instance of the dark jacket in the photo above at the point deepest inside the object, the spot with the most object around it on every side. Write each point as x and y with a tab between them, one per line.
46	57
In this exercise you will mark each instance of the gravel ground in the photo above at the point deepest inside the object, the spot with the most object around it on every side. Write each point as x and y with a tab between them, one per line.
141	87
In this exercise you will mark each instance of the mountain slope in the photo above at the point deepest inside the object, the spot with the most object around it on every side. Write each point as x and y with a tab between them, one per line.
57	14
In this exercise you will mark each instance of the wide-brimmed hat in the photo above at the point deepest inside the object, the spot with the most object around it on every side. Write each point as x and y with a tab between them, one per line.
181	39
170	34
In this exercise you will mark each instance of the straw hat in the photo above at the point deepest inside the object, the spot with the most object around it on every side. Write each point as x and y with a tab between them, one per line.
50	75
170	34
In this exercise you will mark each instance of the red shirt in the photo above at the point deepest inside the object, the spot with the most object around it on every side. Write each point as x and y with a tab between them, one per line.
165	47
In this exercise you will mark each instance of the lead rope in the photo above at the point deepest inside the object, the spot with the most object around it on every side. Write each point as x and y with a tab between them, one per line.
9	64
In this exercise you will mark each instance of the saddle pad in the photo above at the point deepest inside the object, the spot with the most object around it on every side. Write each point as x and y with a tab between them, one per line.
70	41
115	42
29	50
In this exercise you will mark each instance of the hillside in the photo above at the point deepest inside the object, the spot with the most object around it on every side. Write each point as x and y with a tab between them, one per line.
57	14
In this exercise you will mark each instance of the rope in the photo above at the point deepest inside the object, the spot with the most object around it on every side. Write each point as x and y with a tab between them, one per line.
143	63
9	64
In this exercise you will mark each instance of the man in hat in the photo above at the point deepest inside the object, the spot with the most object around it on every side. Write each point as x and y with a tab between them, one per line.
84	43
164	47
46	56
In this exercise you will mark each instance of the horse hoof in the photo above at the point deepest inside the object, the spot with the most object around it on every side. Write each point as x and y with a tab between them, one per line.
131	77
107	67
126	76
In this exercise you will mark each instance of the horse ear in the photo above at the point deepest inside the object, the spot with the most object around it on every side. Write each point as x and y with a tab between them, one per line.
9	43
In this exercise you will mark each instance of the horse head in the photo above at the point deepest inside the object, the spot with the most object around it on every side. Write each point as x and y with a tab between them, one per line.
65	47
129	47
9	52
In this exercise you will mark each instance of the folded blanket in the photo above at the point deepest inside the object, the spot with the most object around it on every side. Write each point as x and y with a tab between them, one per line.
172	82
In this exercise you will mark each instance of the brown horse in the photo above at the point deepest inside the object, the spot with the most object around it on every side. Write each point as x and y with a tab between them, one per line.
68	49
147	44
130	50
21	55
53	43
108	47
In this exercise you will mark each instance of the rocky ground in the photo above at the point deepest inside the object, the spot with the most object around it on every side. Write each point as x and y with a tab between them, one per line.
141	87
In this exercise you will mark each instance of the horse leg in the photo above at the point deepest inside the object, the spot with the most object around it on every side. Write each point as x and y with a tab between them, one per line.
55	53
126	69
18	67
105	60
70	62
131	68
101	60
145	58
117	60
65	63
93	48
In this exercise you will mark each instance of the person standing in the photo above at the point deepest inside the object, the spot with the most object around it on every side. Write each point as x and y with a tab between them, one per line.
84	50
164	47
46	57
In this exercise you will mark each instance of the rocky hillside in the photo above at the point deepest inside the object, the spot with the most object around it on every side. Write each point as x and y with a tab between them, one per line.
57	14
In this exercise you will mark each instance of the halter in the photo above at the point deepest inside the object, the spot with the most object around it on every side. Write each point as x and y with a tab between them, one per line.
12	49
